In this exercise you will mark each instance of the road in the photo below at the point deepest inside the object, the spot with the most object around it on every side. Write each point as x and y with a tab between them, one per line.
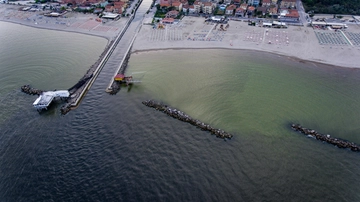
303	16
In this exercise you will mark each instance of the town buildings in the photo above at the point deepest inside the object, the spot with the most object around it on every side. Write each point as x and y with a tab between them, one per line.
276	9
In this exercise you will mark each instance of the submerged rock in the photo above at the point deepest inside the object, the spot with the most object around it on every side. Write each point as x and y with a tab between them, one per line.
186	118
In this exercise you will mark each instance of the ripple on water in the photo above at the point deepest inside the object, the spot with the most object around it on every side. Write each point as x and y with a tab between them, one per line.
114	148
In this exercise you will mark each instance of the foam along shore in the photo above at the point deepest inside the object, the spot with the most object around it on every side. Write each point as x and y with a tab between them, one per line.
326	138
186	118
296	41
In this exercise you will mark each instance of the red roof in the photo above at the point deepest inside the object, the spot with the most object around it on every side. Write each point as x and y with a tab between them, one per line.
243	5
119	76
165	5
292	13
208	4
251	8
240	9
231	7
273	10
168	20
176	4
197	3
120	3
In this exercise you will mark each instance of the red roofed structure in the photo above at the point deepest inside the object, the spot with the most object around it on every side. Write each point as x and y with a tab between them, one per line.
165	3
119	77
230	9
293	13
168	20
266	3
177	5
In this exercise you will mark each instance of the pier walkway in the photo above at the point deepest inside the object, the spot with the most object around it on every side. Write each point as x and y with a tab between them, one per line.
114	58
125	45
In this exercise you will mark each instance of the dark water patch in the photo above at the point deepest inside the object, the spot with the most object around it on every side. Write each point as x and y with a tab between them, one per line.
111	148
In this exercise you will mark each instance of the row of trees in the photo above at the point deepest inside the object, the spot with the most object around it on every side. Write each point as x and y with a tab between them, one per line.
350	7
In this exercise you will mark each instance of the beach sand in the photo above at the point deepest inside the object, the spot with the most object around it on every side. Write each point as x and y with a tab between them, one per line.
194	33
70	22
295	41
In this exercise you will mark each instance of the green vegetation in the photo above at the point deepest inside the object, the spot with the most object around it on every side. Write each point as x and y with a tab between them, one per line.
159	14
350	7
161	11
217	11
191	2
41	1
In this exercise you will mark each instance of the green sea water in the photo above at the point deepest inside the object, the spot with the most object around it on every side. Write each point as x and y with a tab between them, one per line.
253	92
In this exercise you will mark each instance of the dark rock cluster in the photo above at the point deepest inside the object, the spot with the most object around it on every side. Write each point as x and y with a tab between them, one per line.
115	88
80	83
31	91
184	117
65	109
326	138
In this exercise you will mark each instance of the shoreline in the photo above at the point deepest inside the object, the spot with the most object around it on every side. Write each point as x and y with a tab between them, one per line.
57	29
299	43
352	65
297	59
72	22
140	50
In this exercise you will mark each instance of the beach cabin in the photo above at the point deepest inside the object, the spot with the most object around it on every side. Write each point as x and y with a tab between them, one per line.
119	77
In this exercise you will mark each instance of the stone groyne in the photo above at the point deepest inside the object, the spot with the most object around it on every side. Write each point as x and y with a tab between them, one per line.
31	91
326	138
186	118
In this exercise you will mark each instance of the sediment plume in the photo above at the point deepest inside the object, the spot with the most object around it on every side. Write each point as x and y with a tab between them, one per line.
326	138
186	118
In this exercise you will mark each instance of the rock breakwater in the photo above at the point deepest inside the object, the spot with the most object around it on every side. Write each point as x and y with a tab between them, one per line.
186	118
326	138
31	91
80	83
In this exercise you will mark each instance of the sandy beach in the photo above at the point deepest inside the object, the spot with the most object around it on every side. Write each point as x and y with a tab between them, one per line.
297	42
194	33
70	22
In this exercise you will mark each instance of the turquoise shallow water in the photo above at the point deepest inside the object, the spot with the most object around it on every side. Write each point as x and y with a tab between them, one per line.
112	148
